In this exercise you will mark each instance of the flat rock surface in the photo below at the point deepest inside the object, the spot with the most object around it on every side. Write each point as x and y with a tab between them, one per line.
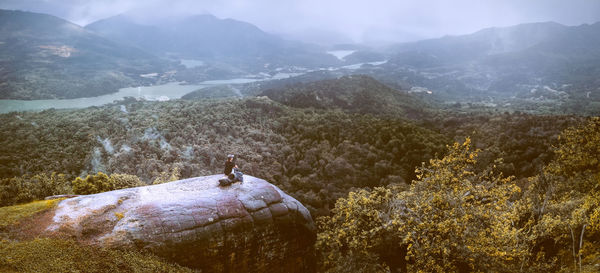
245	227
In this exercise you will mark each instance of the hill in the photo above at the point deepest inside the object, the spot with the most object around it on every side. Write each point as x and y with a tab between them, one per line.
213	41
355	93
42	56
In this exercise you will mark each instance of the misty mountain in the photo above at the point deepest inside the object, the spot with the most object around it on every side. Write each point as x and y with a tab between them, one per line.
42	56
354	93
452	50
213	40
538	60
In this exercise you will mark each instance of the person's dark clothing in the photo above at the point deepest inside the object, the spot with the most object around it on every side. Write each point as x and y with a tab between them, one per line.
232	178
228	167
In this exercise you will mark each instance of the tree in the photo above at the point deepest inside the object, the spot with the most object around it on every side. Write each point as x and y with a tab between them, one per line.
461	220
91	184
565	197
452	219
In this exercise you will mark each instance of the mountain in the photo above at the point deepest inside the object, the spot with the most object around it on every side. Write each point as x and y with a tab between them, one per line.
541	61
452	50
213	40
42	56
355	93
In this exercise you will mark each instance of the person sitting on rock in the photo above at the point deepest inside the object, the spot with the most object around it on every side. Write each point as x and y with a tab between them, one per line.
232	172
229	165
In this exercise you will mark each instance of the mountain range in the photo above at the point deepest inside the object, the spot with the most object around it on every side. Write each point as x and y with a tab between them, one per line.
213	40
42	56
533	61
46	57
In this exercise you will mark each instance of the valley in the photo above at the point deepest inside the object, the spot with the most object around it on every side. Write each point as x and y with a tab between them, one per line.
475	152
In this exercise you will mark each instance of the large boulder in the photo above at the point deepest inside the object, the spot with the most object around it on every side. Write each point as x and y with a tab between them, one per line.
245	227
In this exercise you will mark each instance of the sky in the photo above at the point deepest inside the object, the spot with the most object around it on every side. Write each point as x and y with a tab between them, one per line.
337	21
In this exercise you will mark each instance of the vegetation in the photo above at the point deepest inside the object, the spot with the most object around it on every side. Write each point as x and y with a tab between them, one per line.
315	155
356	93
12	215
55	255
521	194
455	218
47	57
101	182
27	188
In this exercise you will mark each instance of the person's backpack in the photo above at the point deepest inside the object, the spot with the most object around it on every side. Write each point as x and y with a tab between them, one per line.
237	175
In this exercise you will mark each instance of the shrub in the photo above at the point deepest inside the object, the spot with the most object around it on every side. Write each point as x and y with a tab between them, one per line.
101	182
92	184
27	188
122	181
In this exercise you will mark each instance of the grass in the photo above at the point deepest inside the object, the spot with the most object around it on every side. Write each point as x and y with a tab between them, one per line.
13	214
54	255
58	255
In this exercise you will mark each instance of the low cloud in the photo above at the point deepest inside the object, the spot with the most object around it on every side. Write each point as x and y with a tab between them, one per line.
337	20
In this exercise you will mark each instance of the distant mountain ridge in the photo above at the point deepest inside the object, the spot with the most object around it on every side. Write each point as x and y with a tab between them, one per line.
210	39
42	56
489	41
507	61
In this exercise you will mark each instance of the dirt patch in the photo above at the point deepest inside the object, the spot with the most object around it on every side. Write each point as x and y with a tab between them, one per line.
32	226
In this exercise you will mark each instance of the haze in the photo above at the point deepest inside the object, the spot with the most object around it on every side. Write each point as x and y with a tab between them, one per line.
337	21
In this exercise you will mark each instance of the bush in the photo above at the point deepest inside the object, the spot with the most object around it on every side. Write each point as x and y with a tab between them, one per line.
27	188
122	181
92	184
101	182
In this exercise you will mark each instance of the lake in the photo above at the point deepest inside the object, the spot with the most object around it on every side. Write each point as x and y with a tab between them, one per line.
162	92
167	91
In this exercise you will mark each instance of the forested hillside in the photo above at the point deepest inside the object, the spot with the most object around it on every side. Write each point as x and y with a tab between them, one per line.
456	217
315	155
45	57
318	155
347	167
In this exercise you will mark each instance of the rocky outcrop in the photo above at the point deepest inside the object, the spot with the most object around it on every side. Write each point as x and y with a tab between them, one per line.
245	227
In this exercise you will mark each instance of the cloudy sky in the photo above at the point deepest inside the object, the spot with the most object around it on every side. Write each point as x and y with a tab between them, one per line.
336	21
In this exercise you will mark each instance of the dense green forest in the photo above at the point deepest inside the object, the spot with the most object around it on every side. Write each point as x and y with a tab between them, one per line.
355	172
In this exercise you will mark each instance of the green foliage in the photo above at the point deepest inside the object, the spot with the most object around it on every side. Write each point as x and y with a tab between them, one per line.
316	156
123	181
355	93
458	218
32	187
360	233
523	141
166	177
564	199
461	219
91	184
451	219
55	255
101	182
